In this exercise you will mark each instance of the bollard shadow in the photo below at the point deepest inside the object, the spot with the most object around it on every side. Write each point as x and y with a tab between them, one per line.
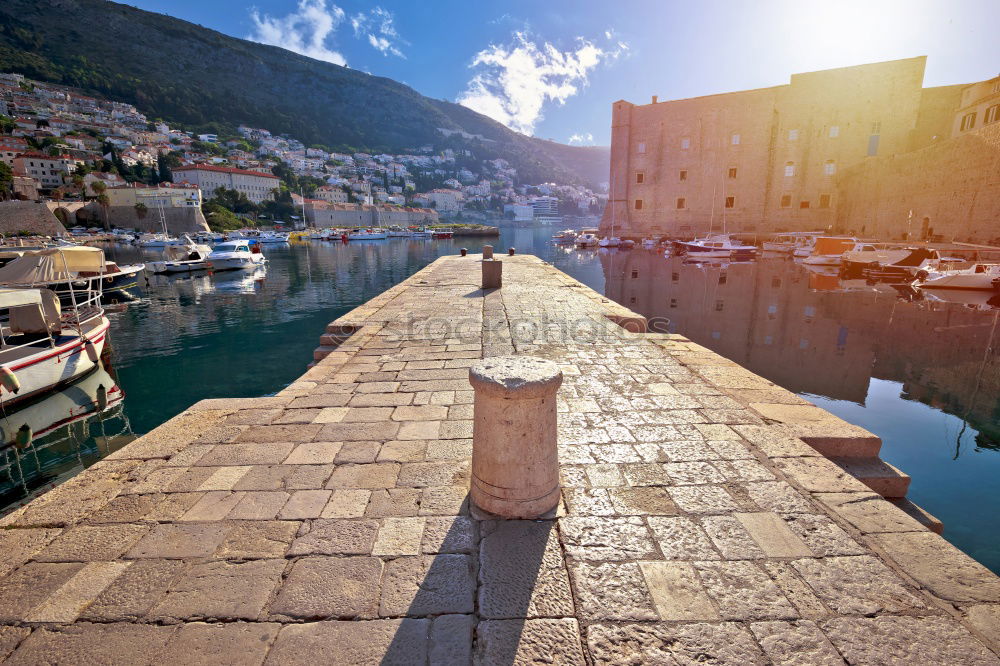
475	593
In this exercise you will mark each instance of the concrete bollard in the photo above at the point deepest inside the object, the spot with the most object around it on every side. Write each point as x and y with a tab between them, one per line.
487	252
492	274
510	251
464	251
515	462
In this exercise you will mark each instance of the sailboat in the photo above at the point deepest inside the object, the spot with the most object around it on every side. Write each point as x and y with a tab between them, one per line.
717	246
162	239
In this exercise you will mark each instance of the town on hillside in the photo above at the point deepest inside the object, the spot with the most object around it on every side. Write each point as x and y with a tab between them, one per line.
104	163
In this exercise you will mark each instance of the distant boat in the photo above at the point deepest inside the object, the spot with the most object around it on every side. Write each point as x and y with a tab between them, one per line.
441	233
273	237
564	237
829	250
367	234
985	277
587	240
797	244
716	247
613	241
191	257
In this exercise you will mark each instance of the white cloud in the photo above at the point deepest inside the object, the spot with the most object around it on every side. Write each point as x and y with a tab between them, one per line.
304	31
378	25
585	138
514	82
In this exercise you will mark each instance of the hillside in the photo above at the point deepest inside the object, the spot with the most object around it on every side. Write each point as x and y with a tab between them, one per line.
190	75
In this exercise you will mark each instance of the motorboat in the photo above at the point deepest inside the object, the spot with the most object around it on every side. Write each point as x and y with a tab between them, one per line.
235	255
422	233
626	244
366	235
649	243
273	237
564	237
796	244
209	237
829	250
869	254
918	263
612	241
441	233
587	240
191	257
980	276
398	232
716	247
44	346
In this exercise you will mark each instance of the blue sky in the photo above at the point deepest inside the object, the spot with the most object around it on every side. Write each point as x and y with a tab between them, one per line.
553	68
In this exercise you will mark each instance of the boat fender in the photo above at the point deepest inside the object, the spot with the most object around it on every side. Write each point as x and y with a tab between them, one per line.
922	275
9	380
91	351
102	397
23	437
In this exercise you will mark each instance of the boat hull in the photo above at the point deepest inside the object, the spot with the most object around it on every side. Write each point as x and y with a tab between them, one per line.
179	266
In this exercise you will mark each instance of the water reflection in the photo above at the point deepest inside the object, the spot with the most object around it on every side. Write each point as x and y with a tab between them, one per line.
51	439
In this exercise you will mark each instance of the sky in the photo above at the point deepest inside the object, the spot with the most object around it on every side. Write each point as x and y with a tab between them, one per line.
552	69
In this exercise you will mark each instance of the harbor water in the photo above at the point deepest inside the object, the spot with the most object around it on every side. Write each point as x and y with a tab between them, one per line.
919	370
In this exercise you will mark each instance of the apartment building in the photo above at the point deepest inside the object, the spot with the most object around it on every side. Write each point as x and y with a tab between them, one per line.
258	186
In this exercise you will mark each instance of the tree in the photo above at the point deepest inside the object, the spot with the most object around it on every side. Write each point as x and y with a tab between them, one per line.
141	210
104	201
98	187
164	174
6	181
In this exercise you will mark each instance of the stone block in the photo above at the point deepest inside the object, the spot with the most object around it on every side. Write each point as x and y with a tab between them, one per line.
221	590
428	585
330	587
524	642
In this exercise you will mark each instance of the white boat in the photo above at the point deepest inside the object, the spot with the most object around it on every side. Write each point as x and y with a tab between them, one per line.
564	237
423	234
191	257
626	244
273	237
720	246
829	250
366	234
792	243
44	345
157	240
984	277
398	232
649	244
870	255
587	240
613	241
234	255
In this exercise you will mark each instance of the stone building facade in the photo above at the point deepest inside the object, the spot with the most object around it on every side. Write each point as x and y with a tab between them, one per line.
258	186
772	159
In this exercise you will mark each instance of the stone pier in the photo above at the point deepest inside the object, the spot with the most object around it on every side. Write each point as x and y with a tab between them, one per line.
706	515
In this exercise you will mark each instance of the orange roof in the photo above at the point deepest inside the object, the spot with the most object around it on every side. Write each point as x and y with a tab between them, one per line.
205	167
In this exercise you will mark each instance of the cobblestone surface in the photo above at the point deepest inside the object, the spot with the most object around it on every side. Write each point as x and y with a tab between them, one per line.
331	524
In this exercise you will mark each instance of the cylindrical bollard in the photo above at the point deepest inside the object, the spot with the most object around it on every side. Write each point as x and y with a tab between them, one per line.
492	274
510	251
515	462
487	252
464	251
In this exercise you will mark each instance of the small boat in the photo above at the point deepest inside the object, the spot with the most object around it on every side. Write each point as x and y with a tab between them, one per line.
235	255
626	244
796	244
613	241
919	262
422	233
398	232
587	240
829	250
985	277
869	255
273	237
191	257
564	237
157	240
366	235
441	233
43	345
716	247
649	244
63	269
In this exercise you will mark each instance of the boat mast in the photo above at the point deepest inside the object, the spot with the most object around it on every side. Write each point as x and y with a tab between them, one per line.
163	218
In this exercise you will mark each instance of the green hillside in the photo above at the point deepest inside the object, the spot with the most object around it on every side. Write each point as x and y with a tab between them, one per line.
190	75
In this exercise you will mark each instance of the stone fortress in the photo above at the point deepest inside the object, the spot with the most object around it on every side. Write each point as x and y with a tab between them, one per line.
864	150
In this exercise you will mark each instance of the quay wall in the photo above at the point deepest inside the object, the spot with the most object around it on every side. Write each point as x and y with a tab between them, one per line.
267	522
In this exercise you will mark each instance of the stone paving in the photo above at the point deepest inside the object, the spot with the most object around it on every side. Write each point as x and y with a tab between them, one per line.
330	523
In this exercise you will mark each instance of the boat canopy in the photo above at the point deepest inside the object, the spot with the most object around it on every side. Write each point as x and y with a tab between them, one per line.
830	245
53	264
917	256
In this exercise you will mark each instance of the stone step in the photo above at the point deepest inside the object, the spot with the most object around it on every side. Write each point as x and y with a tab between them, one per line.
323	351
836	438
877	474
920	515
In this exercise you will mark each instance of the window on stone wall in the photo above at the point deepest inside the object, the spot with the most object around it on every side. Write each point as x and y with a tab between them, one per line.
834	131
992	114
730	202
734	139
824	201
786	200
829	167
732	172
635	274
804	204
685	143
638	204
789	168
877	127
681	203
793	135
682	174
968	121
641	148
640	178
